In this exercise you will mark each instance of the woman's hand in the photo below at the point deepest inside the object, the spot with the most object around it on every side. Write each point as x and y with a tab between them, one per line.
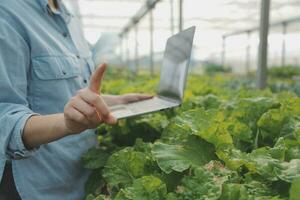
88	109
84	111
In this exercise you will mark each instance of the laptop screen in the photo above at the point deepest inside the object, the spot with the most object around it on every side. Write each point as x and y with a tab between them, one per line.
175	64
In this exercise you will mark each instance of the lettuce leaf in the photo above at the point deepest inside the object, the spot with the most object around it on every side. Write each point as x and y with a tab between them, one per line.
295	190
204	182
145	188
95	158
124	166
193	152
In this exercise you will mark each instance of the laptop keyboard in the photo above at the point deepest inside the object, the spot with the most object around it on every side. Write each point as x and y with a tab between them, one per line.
149	105
146	106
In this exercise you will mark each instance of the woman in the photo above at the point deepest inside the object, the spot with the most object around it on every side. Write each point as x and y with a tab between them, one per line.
48	107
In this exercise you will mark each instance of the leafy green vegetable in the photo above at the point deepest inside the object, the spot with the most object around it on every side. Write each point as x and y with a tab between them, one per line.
232	157
295	190
204	183
284	71
100	197
124	166
209	101
288	171
249	191
182	156
171	196
292	149
95	183
233	191
249	111
205	124
227	141
146	188
95	158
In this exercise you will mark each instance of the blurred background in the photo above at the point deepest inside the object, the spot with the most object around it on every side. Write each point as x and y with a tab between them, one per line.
132	33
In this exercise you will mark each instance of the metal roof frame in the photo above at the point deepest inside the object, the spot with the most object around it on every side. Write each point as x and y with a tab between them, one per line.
280	23
144	10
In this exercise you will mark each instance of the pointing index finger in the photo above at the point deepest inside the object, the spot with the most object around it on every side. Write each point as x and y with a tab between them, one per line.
96	78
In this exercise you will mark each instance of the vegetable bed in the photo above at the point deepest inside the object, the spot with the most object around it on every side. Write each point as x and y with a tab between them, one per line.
226	142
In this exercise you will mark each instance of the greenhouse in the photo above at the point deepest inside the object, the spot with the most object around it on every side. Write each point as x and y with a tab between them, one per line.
150	100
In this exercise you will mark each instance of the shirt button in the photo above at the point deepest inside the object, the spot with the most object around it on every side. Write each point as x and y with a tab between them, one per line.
65	34
85	81
64	73
78	56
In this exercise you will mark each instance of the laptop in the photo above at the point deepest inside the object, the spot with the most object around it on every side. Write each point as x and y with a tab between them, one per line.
173	77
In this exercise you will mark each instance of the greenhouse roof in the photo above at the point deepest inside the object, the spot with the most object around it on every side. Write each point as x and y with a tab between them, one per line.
213	19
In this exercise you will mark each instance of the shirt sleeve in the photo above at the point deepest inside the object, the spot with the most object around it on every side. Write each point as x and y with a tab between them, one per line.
14	107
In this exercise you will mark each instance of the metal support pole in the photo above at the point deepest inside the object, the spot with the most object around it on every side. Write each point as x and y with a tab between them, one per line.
151	44
180	15
127	50
121	51
283	52
223	56
248	51
172	16
136	50
263	45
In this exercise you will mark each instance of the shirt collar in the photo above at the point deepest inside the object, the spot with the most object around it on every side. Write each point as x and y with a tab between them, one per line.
62	9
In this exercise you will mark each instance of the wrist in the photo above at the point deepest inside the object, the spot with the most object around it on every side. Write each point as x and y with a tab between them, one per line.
62	126
41	130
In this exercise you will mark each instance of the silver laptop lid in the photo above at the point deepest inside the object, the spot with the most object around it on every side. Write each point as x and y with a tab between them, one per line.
175	65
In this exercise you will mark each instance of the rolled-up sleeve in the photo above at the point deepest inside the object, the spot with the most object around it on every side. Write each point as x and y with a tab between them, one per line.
14	76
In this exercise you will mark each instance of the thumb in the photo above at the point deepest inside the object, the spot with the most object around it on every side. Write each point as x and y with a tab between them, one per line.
96	78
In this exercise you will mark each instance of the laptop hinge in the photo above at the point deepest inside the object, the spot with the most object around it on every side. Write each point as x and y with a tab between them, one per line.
169	99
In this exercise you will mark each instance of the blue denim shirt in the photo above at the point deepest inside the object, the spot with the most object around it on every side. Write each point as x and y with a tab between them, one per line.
44	60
